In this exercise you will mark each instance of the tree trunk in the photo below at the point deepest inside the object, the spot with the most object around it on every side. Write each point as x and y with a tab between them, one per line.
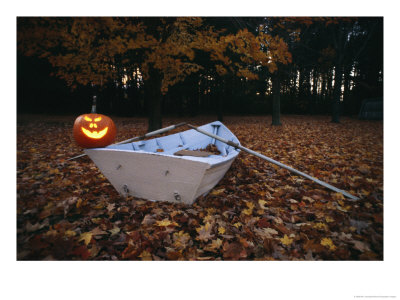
337	90
154	99
220	100
313	102
276	101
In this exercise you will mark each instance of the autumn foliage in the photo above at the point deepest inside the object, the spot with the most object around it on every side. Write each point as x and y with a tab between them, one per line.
67	210
95	50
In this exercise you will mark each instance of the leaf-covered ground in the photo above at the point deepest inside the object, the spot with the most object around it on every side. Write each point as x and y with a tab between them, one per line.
67	210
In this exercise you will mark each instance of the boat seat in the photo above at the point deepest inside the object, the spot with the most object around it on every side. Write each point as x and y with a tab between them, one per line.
170	142
194	146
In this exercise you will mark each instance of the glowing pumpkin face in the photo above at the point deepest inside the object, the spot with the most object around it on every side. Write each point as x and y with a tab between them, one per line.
94	130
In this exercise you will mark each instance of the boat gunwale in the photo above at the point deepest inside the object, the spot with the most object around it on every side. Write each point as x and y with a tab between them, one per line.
212	160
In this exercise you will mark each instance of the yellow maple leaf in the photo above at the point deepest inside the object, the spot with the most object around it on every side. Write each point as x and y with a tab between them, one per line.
145	255
237	225
86	236
249	210
328	219
79	203
211	210
70	233
250	205
327	242
205	227
221	230
166	222
217	192
320	225
338	196
217	243
262	203
286	240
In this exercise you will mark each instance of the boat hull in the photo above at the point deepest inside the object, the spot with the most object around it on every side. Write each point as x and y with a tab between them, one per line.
157	177
150	169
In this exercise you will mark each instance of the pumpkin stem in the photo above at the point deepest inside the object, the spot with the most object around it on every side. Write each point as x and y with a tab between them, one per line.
94	105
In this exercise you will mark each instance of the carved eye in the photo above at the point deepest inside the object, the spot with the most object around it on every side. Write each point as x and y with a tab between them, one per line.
97	119
88	119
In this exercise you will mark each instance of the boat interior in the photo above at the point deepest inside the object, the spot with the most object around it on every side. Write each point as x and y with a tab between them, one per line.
186	140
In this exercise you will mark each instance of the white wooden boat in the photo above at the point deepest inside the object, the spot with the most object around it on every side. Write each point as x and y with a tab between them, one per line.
151	170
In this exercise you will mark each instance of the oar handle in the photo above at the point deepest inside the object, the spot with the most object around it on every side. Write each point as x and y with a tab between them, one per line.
149	134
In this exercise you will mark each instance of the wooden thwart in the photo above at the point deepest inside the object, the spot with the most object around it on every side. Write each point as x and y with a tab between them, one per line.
195	153
237	146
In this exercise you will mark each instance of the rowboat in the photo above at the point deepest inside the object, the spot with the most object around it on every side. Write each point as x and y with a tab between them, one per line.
175	168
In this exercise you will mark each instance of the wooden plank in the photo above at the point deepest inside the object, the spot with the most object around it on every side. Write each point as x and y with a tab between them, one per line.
195	153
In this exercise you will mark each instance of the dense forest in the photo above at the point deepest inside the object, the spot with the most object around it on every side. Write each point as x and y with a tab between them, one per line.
154	67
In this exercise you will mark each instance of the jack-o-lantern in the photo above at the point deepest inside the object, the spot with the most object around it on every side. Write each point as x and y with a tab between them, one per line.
94	130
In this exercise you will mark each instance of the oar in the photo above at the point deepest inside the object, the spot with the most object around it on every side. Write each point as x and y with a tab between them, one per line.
149	134
236	145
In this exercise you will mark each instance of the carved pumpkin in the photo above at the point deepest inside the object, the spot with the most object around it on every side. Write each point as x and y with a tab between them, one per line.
94	130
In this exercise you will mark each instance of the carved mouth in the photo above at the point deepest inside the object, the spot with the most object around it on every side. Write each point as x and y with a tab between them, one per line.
95	134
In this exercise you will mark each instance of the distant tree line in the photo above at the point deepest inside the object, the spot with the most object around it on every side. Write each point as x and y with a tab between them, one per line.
190	66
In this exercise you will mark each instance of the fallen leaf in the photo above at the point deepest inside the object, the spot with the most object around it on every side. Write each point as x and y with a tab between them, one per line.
69	233
327	242
360	246
306	198
234	251
98	231
338	196
286	240
265	232
86	237
221	230
262	203
165	223
145	255
237	225
204	232
181	240
110	206
217	192
82	252
328	219
320	225
149	220
214	246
